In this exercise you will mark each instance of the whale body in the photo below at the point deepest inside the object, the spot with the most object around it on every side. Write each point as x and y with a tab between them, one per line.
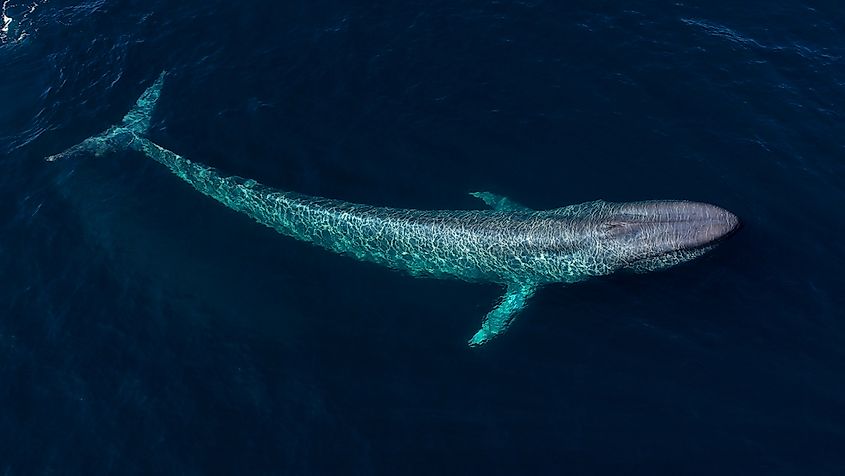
508	244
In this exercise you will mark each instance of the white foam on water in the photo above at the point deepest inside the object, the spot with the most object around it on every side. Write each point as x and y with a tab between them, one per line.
6	20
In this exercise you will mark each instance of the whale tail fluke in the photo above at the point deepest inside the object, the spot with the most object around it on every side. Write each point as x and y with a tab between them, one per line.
138	118
135	123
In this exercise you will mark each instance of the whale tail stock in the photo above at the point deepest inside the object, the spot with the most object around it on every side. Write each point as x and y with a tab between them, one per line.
134	125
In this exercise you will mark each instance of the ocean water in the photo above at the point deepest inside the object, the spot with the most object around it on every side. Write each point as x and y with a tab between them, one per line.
145	329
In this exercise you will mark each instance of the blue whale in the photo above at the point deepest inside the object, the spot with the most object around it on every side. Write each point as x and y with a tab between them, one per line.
509	244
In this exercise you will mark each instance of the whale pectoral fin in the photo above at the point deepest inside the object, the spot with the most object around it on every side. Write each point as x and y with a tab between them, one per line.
498	202
497	321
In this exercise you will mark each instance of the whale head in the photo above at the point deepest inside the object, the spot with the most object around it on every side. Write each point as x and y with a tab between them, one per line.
653	235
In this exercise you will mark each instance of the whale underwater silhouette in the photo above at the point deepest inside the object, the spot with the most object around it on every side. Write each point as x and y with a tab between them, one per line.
508	244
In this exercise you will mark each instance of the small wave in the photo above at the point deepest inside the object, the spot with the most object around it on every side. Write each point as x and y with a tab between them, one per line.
804	50
22	11
721	31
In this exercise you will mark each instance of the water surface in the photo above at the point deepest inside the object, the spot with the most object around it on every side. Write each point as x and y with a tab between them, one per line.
146	329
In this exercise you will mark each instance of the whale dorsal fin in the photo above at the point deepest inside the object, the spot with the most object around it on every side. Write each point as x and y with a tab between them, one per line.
497	321
498	202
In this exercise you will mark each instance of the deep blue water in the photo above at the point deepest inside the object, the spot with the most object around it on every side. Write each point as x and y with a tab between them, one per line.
145	329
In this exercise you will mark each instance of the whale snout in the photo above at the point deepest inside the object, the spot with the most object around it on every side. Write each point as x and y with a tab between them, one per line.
666	226
726	225
701	224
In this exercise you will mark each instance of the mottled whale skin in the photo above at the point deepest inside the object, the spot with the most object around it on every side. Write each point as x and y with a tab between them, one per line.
508	244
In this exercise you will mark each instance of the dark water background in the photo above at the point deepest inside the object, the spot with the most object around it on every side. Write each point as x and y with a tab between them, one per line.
148	330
